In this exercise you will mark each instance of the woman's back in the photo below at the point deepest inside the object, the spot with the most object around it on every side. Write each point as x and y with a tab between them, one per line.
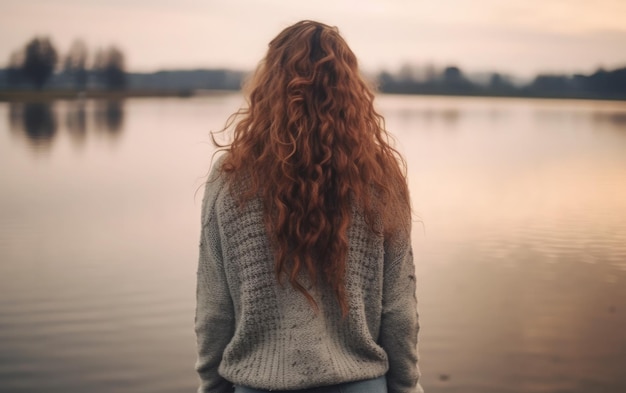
306	276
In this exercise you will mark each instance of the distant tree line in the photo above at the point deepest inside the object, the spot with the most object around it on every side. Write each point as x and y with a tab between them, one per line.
37	61
452	80
187	80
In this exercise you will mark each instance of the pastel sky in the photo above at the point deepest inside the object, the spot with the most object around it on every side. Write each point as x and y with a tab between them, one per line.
522	37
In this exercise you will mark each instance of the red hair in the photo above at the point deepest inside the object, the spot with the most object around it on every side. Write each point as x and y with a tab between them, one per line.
311	146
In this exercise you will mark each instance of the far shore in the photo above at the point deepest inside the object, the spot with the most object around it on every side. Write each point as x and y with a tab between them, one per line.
51	95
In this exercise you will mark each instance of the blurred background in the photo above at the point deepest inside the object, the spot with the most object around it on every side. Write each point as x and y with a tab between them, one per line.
512	117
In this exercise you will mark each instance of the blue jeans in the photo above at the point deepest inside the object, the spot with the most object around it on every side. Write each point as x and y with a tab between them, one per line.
376	385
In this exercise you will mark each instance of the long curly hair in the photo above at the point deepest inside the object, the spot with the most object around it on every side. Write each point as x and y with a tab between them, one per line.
311	146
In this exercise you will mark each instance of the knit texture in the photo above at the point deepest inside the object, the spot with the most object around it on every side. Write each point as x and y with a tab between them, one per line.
252	331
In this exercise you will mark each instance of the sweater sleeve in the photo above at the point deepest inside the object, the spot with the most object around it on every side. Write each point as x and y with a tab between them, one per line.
214	319
399	324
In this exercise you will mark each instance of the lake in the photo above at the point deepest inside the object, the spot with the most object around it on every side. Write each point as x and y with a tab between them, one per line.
519	235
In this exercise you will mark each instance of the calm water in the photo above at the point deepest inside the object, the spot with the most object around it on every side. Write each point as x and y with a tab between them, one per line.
520	238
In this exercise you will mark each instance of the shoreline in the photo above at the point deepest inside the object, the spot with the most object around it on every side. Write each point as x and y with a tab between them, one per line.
50	95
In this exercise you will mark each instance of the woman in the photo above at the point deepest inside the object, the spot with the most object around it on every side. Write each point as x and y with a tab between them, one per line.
306	279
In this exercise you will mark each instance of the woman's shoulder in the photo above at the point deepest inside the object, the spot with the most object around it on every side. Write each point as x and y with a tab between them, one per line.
214	187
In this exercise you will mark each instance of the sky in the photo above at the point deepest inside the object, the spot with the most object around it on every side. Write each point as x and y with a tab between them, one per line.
517	37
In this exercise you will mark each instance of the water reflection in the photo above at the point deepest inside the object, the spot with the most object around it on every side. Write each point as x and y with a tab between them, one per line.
38	121
76	120
109	115
436	112
448	116
617	119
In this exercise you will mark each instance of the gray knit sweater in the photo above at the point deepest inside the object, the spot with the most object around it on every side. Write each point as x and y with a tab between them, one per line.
254	332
